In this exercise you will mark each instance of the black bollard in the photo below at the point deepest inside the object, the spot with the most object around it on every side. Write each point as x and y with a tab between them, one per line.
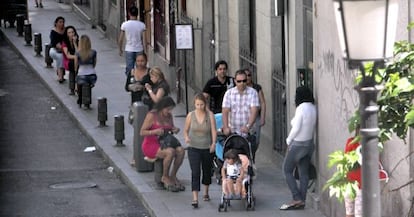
38	44
139	111
27	33
48	59
119	130
86	95
19	24
102	111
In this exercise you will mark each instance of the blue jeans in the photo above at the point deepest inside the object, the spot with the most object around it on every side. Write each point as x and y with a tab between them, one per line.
299	154
130	60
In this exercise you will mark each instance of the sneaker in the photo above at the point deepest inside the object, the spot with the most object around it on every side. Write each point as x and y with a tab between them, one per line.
41	5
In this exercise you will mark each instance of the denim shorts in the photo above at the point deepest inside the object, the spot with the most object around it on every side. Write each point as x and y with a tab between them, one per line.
86	79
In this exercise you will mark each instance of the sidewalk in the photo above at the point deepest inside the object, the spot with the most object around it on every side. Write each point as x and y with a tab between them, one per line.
270	188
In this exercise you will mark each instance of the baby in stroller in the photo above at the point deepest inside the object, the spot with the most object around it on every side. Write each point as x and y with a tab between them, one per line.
237	172
233	173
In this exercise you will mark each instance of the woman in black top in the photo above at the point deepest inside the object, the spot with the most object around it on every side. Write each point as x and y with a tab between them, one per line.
69	47
57	34
137	78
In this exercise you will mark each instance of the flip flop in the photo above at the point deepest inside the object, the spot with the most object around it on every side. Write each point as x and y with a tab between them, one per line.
206	197
292	207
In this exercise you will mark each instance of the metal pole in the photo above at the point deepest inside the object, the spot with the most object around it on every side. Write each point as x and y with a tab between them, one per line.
119	130
371	197
185	80
38	44
102	111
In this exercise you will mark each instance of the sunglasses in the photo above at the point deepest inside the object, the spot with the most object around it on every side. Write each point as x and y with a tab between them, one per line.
249	75
240	81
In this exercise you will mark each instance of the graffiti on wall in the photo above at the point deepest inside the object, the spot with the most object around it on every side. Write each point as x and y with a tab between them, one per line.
334	69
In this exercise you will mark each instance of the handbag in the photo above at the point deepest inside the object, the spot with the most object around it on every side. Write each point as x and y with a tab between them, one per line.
311	173
168	140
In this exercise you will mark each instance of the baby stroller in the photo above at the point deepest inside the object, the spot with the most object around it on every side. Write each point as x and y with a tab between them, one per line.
242	146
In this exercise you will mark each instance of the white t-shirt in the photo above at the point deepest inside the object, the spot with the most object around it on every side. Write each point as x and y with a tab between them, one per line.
133	33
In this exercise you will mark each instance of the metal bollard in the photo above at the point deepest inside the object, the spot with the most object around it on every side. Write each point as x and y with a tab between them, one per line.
48	59
102	111
86	95
119	130
139	111
27	33
38	44
19	24
158	168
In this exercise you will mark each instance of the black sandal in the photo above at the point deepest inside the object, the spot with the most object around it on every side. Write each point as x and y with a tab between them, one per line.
194	203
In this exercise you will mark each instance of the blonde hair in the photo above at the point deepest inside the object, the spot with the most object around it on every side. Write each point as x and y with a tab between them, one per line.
157	72
85	47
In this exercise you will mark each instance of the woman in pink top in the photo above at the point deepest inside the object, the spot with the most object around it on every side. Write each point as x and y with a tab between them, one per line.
157	122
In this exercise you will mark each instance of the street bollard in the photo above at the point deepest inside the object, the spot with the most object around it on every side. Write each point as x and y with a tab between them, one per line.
139	111
19	24
38	44
86	95
27	33
48	59
119	130
102	111
158	168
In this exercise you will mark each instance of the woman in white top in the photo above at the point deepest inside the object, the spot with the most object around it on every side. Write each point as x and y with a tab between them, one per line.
300	147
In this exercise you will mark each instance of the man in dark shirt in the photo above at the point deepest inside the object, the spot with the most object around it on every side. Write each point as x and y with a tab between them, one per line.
216	87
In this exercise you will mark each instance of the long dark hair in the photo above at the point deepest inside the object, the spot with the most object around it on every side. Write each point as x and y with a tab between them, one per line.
303	94
66	38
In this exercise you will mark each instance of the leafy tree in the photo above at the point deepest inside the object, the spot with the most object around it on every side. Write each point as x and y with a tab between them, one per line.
395	116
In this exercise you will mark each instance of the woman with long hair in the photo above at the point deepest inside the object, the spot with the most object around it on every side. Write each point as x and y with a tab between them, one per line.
157	122
85	63
158	89
57	34
200	134
70	46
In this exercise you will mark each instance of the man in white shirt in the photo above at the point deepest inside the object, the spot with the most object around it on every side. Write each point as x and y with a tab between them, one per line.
133	31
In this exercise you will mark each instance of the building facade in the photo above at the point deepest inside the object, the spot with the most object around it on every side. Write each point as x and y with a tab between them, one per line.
286	44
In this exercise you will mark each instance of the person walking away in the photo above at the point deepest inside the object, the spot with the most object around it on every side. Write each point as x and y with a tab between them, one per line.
261	117
85	63
157	90
216	87
157	122
133	31
69	47
240	107
57	35
300	147
200	135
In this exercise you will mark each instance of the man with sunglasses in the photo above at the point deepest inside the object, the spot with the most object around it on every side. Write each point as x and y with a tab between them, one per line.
216	87
240	108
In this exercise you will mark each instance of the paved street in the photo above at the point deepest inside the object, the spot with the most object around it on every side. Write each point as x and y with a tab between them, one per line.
270	188
43	169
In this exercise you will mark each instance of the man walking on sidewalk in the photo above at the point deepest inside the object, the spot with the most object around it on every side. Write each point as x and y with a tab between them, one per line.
134	32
